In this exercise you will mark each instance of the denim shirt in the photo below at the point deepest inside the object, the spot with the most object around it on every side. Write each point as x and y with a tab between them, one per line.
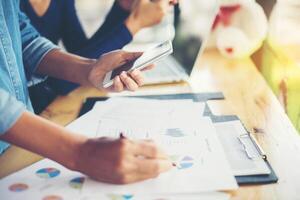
21	50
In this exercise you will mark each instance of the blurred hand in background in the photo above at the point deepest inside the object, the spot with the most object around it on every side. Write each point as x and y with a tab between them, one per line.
145	13
127	4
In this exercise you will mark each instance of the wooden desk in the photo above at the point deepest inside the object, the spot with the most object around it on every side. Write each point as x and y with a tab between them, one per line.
247	95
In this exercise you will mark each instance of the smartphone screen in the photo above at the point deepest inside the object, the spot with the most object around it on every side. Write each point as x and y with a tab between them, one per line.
148	57
126	67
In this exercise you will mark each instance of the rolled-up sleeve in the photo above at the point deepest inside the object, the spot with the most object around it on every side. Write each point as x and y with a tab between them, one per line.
10	111
34	46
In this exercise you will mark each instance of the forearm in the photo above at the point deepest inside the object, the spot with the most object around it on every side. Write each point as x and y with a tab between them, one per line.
66	66
45	138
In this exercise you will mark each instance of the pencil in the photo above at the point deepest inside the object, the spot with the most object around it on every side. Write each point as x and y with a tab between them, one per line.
122	136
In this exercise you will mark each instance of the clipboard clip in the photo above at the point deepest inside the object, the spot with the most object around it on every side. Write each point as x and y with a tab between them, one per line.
252	148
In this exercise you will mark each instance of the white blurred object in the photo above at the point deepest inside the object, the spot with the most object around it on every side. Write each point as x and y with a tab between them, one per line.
285	21
240	28
232	42
158	33
92	14
193	13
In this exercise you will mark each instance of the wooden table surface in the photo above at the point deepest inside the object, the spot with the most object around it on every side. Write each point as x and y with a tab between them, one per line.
247	95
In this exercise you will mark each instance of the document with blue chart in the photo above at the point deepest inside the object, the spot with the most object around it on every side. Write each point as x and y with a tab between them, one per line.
178	127
224	125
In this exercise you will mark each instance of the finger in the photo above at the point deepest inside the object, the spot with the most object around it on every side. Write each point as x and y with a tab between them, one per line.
129	83
135	177
146	169
137	77
148	149
152	167
149	67
138	178
118	85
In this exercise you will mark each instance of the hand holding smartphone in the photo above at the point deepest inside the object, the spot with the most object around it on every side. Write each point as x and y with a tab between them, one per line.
148	57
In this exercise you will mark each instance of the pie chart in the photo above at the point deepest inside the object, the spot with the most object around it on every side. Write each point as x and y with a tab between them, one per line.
127	197
47	173
185	163
18	187
77	183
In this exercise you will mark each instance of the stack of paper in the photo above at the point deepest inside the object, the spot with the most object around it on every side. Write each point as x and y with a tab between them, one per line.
176	125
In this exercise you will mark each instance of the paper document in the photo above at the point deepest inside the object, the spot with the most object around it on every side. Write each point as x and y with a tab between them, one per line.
187	137
41	180
240	160
49	180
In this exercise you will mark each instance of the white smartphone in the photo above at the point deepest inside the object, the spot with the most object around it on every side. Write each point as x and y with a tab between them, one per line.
148	57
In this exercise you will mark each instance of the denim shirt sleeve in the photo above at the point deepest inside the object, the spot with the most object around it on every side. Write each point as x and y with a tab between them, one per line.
10	109
34	46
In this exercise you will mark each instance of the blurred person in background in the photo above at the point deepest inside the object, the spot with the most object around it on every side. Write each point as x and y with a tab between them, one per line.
57	20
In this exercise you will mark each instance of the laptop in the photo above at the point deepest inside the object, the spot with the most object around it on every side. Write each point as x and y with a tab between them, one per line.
187	47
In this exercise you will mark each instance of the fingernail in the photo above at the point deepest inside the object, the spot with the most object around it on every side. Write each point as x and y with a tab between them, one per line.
123	74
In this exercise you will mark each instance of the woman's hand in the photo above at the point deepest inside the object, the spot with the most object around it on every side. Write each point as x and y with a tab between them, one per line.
110	61
121	161
128	4
146	13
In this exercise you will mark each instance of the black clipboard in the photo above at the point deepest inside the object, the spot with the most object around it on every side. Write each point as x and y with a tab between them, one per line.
198	97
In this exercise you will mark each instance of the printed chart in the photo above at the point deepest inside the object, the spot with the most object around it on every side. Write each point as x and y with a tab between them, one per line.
182	162
175	132
47	173
77	182
18	187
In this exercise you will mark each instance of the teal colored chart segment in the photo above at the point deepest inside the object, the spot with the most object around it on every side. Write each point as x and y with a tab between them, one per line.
77	182
47	173
120	197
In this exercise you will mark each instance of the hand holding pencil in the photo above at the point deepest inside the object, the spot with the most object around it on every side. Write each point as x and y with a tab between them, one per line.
122	160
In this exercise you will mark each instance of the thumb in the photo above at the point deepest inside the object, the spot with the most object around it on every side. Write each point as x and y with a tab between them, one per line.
130	56
124	60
